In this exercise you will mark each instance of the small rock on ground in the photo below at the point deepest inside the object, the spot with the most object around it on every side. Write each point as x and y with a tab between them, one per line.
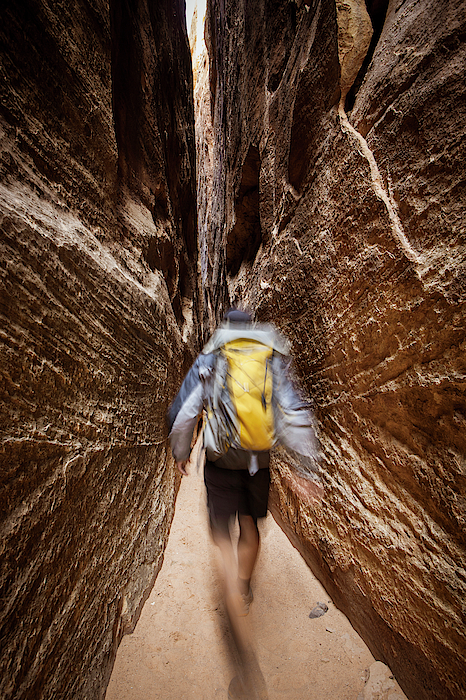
381	685
319	610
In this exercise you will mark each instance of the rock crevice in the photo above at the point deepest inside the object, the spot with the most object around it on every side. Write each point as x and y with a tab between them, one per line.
330	199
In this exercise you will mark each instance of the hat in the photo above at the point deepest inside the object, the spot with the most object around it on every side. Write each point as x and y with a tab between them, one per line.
236	316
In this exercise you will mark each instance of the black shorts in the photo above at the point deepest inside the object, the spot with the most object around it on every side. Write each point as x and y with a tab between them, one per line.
231	492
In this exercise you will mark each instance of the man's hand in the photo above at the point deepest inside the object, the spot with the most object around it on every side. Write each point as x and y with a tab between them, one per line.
182	467
308	490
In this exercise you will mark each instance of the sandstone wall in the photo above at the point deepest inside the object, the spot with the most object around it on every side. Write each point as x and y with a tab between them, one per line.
99	319
336	212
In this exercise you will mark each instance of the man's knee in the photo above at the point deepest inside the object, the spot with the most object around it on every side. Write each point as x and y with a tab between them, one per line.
248	527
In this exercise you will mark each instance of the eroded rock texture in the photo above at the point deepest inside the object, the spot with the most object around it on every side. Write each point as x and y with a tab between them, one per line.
98	305
336	211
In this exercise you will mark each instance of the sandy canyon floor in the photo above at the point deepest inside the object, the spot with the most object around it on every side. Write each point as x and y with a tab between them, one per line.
179	648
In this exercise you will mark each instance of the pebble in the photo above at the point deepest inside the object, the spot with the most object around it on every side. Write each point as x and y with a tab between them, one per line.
319	610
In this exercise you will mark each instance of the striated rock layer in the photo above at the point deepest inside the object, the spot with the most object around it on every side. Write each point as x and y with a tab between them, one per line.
335	209
98	304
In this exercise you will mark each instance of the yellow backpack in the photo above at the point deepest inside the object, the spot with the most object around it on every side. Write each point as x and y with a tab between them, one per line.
249	383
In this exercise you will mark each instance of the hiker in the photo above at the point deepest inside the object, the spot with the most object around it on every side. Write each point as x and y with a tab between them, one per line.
241	381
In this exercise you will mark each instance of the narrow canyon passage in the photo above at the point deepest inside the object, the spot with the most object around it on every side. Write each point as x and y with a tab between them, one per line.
178	649
306	161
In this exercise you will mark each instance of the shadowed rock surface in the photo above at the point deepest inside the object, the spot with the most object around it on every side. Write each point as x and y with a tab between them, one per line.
99	319
351	239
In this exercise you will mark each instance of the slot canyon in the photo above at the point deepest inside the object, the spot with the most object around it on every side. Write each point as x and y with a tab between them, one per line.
308	164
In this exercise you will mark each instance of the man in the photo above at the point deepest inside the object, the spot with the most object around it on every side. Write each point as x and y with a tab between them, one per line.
238	481
237	440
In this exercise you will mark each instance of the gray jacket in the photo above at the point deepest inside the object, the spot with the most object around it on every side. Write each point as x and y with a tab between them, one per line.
293	421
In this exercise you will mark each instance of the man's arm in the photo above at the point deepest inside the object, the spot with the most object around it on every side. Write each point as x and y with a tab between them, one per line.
294	422
185	411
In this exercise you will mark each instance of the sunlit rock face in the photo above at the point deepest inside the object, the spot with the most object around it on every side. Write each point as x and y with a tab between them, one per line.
99	320
334	208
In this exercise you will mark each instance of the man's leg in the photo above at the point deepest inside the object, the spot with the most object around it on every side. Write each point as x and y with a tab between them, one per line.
227	566
253	508
224	495
223	492
248	549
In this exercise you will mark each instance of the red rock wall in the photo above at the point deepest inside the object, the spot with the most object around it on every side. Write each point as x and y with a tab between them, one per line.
350	237
99	320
